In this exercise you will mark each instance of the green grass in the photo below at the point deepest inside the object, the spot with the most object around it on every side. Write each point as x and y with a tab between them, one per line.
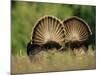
54	61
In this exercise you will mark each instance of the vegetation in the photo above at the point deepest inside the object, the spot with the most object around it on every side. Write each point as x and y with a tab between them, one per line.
54	61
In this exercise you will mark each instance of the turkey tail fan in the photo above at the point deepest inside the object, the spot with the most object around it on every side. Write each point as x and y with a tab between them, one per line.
76	29
77	33
49	32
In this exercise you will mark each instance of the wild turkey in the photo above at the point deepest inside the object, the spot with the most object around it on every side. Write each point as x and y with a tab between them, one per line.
77	33
47	33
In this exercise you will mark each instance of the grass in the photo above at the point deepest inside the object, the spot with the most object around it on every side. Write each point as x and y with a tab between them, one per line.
53	61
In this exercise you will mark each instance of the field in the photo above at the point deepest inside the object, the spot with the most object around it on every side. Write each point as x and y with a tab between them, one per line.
54	61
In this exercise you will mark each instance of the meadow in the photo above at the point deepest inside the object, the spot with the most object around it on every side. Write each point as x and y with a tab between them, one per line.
52	61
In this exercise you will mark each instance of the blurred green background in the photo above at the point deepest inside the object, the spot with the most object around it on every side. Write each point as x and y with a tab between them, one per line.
25	14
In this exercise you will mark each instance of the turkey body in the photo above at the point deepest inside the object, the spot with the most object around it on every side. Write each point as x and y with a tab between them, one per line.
77	33
47	33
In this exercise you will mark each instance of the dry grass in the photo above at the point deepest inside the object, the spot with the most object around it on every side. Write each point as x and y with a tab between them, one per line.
53	61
